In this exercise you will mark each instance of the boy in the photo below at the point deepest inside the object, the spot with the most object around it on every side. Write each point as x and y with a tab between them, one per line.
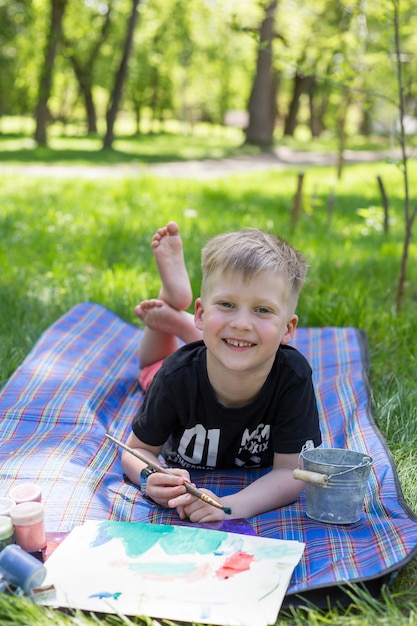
235	395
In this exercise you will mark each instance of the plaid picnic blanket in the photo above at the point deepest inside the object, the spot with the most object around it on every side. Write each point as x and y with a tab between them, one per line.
80	381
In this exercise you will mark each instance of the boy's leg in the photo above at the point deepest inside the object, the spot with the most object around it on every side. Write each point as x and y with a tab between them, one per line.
165	318
164	327
168	251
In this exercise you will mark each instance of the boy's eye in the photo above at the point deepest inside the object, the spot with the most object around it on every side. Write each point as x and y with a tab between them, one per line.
263	309
226	305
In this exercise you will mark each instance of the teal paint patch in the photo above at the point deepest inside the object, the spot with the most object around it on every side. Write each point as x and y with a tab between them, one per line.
276	552
137	538
158	568
193	540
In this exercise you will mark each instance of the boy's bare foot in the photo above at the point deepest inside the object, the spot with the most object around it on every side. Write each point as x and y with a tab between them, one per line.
144	307
168	251
159	316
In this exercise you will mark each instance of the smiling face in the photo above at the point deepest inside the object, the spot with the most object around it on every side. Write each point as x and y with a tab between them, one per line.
244	320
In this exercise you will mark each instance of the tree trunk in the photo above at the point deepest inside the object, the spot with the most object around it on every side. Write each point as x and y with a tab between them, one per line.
317	109
85	83
301	85
262	105
84	72
45	84
120	77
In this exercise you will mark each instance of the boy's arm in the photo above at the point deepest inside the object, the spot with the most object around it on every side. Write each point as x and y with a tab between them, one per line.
273	490
159	487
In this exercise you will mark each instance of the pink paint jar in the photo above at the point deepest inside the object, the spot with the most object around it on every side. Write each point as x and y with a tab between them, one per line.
25	492
29	527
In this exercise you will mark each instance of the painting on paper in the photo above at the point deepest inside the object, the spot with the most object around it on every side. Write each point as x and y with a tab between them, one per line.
182	573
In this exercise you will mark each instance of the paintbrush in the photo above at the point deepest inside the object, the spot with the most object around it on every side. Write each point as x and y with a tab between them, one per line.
159	468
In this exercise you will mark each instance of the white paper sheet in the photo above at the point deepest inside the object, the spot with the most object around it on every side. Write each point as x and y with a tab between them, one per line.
175	572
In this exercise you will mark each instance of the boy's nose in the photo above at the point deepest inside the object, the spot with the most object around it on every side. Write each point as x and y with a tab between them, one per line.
242	319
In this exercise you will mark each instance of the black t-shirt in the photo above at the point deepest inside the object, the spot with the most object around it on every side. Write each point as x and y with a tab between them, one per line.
181	413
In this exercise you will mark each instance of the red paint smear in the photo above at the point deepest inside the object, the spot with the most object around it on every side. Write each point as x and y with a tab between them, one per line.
235	564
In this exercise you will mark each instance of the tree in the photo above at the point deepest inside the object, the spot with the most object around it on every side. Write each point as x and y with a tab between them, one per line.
262	101
120	77
410	212
322	66
45	83
14	20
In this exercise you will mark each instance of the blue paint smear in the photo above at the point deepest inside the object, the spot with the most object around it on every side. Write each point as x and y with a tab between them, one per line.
230	546
205	612
138	538
101	595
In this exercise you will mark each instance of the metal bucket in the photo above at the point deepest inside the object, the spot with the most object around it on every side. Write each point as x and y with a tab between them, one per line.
336	482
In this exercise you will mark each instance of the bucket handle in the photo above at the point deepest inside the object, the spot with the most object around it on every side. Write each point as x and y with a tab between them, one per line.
310	477
323	479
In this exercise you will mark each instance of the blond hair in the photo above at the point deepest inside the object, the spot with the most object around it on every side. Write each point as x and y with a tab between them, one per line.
251	251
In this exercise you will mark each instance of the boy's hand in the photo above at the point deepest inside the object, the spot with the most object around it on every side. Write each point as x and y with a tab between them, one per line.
162	488
196	510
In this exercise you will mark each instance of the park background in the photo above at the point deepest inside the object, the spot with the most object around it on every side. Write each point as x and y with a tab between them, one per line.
116	116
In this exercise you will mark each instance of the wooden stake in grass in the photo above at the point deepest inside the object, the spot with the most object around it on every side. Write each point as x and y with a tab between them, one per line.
297	204
385	203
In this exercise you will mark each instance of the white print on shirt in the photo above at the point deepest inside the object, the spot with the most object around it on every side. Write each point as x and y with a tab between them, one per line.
252	445
199	446
195	441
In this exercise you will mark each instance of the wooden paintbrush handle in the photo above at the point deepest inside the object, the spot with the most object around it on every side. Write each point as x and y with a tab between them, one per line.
159	468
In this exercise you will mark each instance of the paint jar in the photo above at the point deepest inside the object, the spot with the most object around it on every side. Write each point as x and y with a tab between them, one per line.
25	492
21	569
28	521
6	531
6	504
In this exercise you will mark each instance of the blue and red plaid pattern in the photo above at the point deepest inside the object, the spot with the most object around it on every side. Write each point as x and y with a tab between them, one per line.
80	381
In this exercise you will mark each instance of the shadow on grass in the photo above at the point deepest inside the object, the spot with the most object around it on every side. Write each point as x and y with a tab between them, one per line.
94	157
140	149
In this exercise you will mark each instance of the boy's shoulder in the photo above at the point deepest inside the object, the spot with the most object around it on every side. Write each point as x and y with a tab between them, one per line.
185	356
294	360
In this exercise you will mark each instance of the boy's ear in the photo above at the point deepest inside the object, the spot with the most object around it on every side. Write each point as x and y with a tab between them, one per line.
198	314
291	326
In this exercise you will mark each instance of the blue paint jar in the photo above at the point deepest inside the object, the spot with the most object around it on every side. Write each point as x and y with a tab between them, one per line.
21	569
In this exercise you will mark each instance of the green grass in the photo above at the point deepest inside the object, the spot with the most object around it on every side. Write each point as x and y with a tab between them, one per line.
65	241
